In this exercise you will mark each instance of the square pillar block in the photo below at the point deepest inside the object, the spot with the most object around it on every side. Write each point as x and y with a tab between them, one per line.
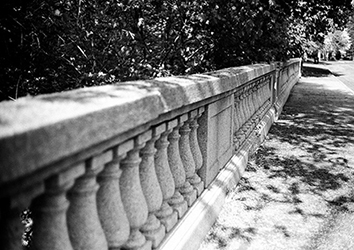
215	136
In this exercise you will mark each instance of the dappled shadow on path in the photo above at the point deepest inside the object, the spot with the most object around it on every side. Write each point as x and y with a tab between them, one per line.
299	178
314	71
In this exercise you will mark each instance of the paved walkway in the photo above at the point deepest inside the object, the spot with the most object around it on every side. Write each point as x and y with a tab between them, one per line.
298	190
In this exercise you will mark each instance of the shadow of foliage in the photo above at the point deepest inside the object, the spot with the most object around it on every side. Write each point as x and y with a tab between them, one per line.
225	233
306	156
314	71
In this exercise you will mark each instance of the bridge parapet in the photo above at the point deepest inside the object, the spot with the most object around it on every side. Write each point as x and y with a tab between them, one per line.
127	165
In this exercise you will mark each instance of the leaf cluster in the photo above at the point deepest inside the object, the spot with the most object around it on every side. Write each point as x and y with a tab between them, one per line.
52	46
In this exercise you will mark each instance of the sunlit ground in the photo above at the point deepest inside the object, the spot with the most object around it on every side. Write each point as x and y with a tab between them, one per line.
297	191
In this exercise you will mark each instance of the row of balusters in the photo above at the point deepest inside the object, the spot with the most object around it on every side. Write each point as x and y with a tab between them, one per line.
251	103
127	197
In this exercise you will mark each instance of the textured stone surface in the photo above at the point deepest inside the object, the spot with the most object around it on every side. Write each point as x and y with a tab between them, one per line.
111	212
174	160
166	214
152	229
112	124
133	198
199	219
218	148
85	229
35	132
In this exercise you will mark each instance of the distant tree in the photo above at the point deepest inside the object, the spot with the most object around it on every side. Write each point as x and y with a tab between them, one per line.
350	29
337	43
316	19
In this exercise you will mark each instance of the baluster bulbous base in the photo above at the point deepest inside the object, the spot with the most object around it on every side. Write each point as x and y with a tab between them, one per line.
48	225
167	216
49	215
189	193
111	212
197	183
83	222
153	230
178	203
137	241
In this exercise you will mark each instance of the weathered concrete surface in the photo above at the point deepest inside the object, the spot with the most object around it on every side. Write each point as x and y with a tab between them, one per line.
35	132
218	147
297	193
189	233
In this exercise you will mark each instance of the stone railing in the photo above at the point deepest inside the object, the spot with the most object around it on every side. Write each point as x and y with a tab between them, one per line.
133	165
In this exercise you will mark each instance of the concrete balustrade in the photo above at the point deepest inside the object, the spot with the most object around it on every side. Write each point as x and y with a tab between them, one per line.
166	214
133	198
187	159
50	229
138	165
195	149
111	211
153	230
177	201
184	187
85	229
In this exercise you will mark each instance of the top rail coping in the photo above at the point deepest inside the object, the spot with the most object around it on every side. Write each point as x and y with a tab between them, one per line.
38	131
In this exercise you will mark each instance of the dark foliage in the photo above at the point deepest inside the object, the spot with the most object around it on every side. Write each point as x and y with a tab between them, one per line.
51	46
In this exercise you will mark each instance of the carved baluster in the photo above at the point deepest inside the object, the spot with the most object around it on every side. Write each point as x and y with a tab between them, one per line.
153	230
244	112
166	214
259	99
265	95
267	92
85	229
11	208
251	99
269	89
238	117
250	111
186	155
132	196
195	150
111	212
50	228
245	106
174	159
256	100
264	92
236	114
239	112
